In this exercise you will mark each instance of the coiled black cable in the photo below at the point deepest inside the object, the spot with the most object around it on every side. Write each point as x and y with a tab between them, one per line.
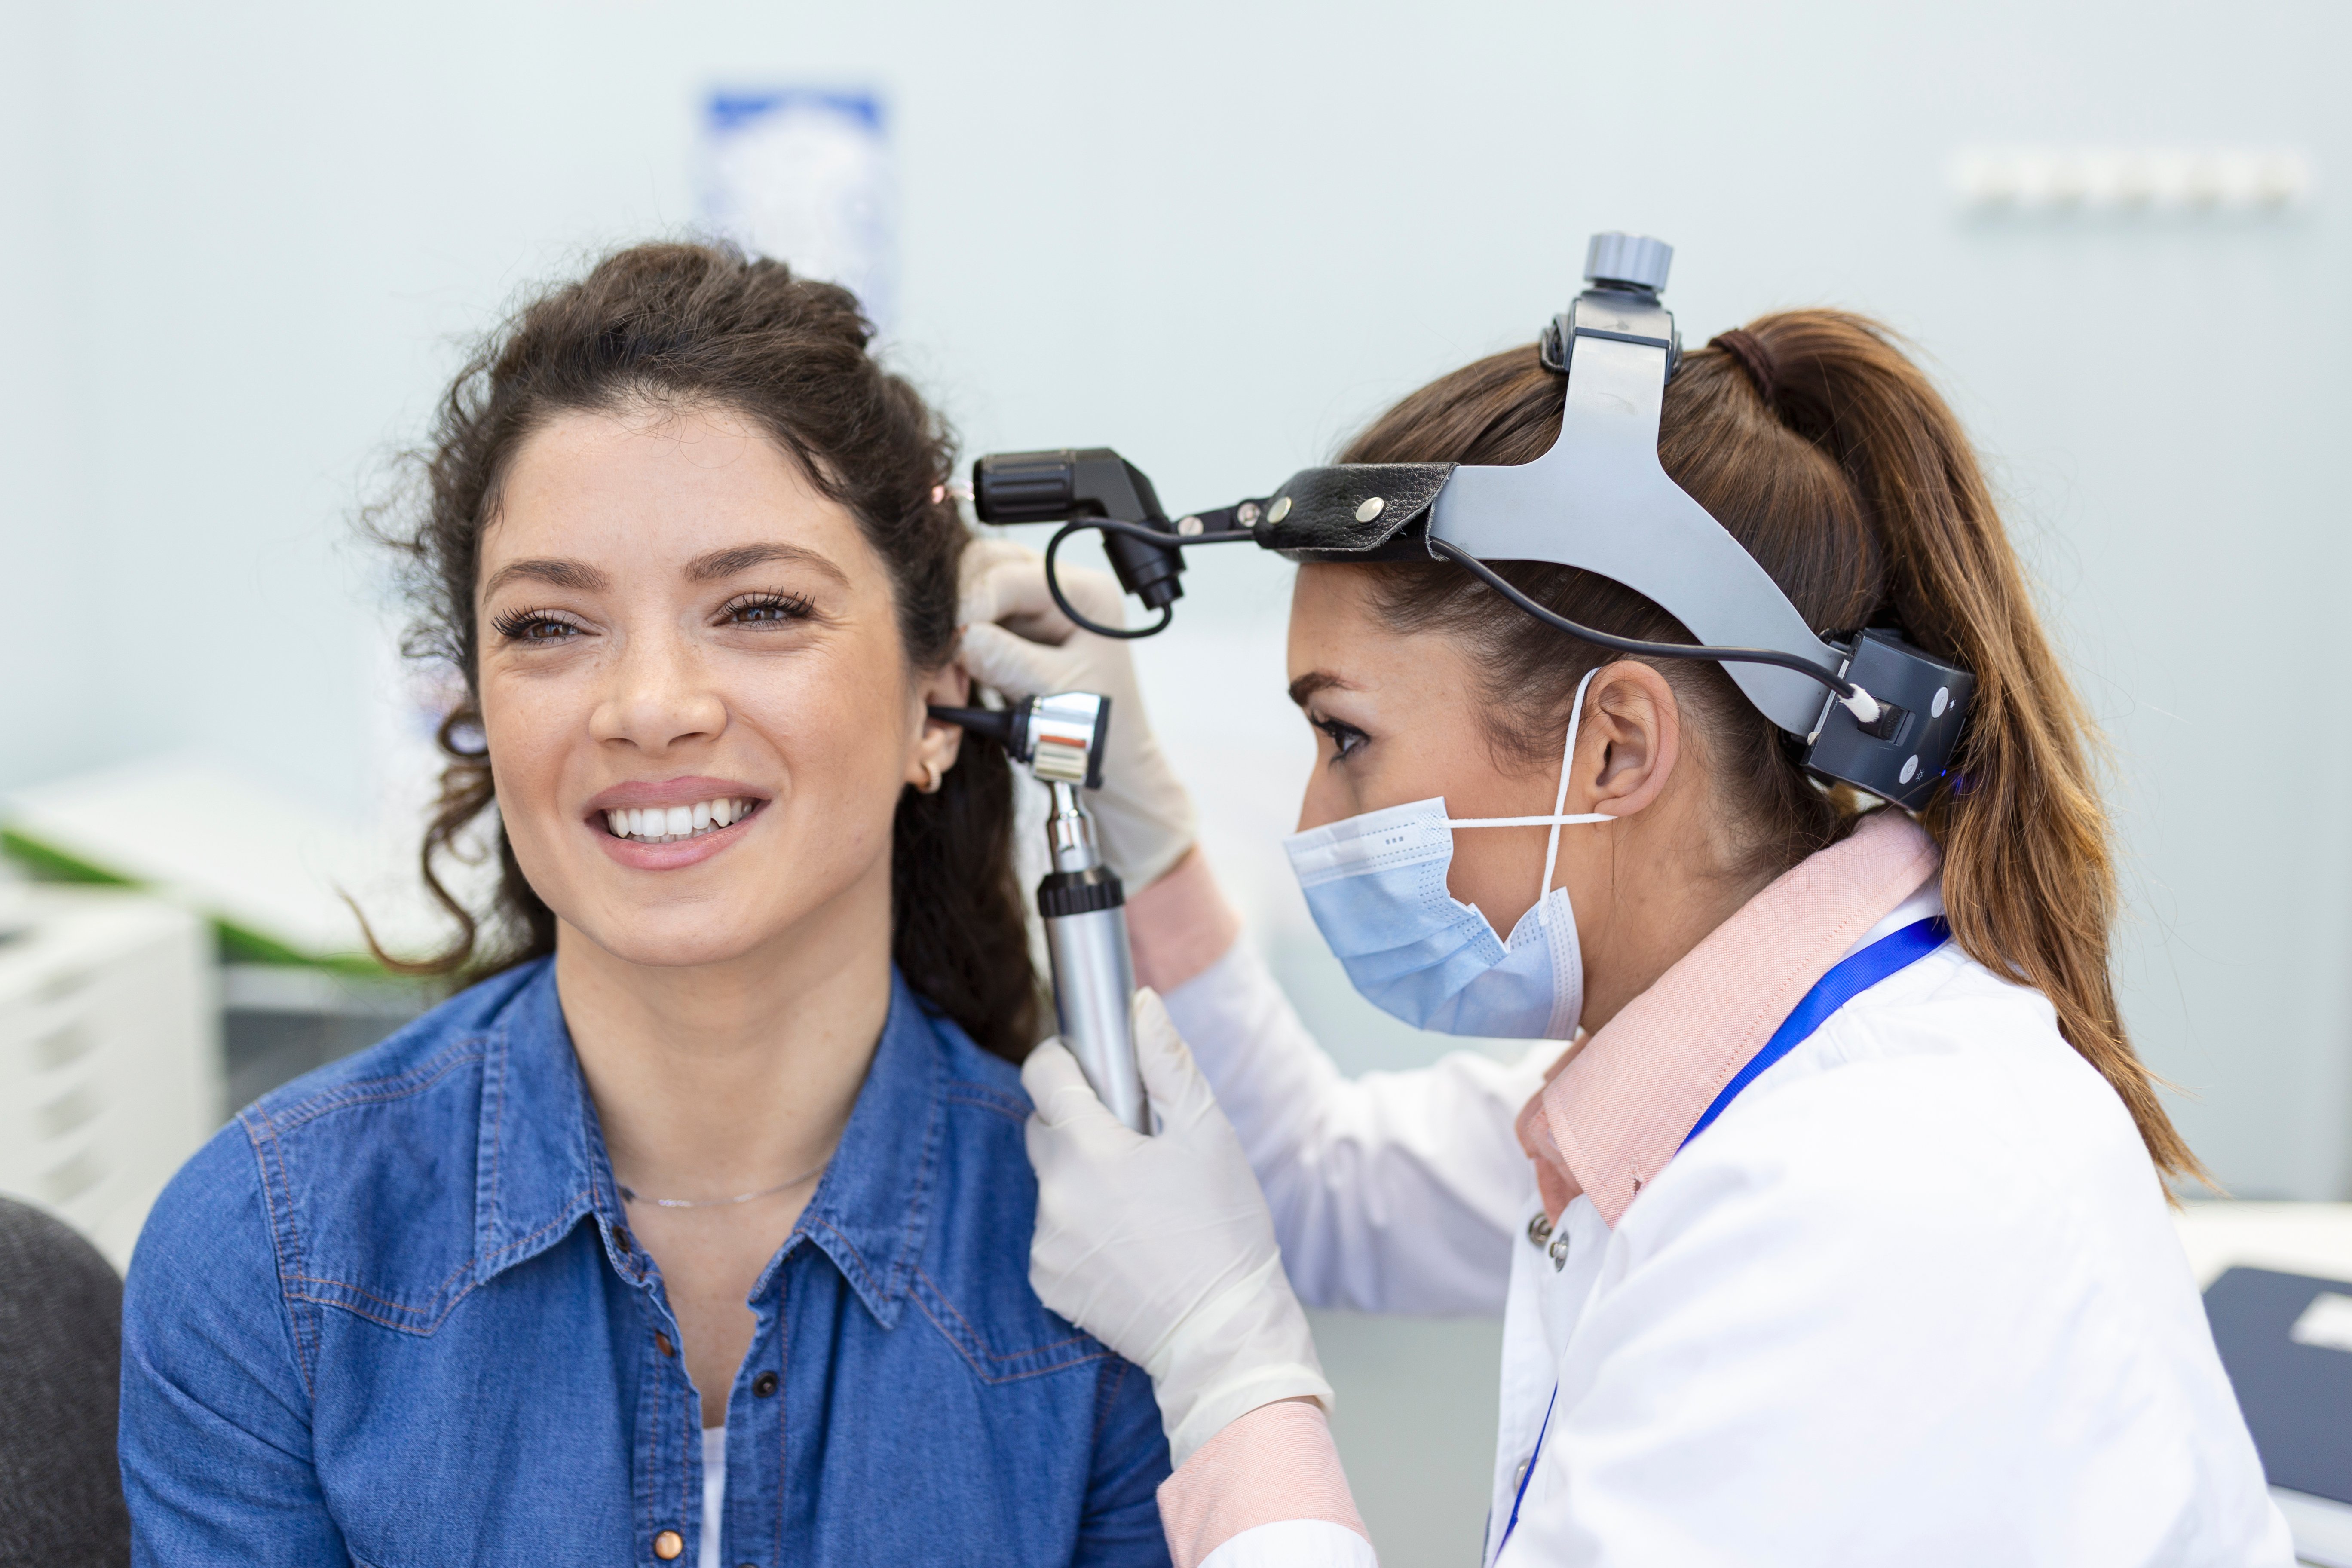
1154	536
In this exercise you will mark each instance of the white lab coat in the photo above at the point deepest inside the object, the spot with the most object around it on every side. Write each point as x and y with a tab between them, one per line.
1914	1298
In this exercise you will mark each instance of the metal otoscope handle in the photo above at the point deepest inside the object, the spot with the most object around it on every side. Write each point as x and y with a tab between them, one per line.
1060	737
1085	910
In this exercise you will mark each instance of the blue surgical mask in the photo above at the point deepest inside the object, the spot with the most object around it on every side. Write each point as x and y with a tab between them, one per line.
1376	886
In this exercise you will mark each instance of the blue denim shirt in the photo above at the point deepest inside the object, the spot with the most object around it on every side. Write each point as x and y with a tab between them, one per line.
393	1313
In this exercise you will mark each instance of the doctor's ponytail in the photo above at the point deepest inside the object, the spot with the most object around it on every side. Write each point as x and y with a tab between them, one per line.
1827	454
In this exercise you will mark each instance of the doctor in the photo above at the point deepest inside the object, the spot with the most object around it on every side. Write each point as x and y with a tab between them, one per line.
1828	1221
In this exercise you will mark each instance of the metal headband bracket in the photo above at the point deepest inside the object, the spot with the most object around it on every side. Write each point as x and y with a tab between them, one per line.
1891	720
1599	500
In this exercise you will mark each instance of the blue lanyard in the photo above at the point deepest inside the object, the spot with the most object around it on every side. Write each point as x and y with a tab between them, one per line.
1854	974
1529	1474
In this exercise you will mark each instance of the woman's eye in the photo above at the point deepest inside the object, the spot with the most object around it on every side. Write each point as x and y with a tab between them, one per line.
1344	738
765	610
534	626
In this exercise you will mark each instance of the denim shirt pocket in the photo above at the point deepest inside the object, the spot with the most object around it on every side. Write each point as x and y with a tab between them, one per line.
972	1282
1041	1343
370	1190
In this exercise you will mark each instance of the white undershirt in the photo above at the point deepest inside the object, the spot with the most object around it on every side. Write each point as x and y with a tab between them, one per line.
714	1493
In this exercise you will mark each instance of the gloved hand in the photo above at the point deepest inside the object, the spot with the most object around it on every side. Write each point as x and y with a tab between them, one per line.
1163	1247
1016	640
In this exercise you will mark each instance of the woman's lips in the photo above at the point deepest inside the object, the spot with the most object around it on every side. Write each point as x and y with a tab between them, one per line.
684	790
665	838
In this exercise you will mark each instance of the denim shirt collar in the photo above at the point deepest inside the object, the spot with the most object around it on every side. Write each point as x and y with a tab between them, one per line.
541	1164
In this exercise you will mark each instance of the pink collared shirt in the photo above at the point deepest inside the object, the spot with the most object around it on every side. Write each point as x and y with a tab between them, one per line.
1610	1121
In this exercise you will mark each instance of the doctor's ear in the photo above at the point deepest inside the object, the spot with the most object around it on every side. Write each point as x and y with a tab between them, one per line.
937	745
1631	737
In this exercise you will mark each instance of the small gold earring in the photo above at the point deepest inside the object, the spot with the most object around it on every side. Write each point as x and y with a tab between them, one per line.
932	773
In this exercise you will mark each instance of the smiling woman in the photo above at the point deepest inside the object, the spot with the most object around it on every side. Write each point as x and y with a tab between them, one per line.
701	1218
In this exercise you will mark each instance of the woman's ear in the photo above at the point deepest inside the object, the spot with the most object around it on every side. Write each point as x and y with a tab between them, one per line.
1631	737
938	744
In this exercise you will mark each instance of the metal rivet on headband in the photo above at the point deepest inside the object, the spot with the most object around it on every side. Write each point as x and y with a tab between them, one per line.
1369	509
1248	514
1187	526
1281	510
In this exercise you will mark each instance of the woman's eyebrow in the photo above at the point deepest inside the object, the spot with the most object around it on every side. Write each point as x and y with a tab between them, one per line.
721	563
1316	681
572	575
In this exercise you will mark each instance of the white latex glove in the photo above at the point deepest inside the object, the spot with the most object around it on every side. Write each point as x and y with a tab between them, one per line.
1016	640
1162	1247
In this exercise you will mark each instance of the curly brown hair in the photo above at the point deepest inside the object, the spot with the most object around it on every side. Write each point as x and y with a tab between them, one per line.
686	324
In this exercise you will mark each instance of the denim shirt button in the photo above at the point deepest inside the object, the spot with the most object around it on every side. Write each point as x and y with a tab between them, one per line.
661	1342
765	1385
668	1545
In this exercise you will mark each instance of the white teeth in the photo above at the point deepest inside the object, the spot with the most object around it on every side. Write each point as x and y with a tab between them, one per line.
670	825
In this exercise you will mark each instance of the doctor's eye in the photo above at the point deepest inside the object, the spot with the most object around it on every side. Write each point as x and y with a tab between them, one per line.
1344	736
764	610
537	628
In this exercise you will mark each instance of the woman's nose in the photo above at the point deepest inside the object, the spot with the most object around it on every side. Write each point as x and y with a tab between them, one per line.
1323	803
660	697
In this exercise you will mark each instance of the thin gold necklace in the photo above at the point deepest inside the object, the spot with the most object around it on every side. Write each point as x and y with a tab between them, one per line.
628	1195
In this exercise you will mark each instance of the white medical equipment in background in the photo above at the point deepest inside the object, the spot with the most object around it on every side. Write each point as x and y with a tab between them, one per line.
125	1041
110	1053
284	879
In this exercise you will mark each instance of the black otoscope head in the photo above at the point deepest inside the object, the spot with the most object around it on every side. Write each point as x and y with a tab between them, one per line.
1095	481
1095	487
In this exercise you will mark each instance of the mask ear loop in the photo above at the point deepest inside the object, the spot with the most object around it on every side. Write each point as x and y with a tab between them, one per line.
1557	820
1559	801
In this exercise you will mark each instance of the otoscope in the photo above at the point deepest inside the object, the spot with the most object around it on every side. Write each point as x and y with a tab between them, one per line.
1061	737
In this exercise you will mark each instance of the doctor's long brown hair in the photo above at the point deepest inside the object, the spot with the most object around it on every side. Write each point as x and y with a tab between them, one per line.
681	324
1827	454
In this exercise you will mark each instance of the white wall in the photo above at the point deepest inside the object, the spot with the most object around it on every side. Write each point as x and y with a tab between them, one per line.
242	243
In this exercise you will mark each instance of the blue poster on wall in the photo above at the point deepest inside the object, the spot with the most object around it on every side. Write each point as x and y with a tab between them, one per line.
804	175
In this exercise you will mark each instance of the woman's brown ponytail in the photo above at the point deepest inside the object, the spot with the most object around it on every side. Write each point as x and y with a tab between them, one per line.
1826	453
2029	878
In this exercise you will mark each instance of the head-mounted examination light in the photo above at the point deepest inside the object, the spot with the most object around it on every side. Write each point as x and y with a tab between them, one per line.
1864	709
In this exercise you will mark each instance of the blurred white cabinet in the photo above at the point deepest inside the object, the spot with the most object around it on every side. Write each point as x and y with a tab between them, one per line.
110	1053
